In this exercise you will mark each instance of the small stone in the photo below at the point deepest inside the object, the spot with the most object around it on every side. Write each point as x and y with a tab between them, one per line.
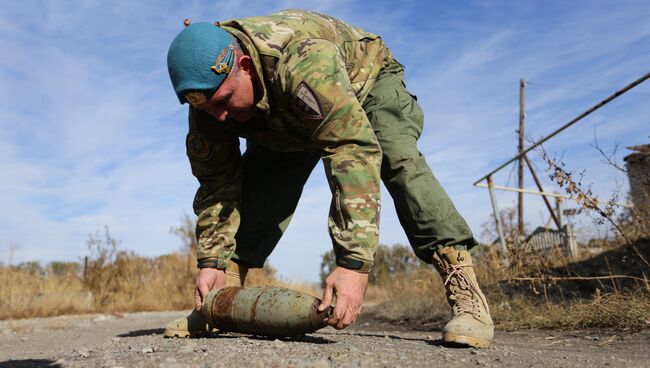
147	350
323	363
187	350
103	317
84	353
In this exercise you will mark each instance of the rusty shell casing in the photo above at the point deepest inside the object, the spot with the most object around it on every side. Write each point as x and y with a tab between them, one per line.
268	311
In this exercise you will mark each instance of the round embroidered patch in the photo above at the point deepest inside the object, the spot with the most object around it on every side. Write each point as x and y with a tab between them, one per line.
198	146
195	98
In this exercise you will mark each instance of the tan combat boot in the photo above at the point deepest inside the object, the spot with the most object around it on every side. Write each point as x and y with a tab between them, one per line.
195	325
471	324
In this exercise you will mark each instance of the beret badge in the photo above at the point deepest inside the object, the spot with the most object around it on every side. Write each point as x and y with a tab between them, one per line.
195	98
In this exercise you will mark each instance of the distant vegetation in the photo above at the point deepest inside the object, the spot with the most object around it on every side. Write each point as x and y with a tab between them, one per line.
610	289
109	280
536	290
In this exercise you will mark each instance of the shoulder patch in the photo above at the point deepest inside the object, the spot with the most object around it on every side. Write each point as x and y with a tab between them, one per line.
305	101
198	146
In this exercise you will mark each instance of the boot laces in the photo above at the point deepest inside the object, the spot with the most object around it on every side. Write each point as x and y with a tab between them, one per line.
463	291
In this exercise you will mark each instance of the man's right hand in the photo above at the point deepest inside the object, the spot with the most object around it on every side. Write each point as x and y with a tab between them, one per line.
206	280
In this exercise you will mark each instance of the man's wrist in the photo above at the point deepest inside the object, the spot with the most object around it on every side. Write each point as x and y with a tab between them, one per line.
354	264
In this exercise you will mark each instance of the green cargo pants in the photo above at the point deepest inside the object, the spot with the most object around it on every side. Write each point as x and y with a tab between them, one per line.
273	181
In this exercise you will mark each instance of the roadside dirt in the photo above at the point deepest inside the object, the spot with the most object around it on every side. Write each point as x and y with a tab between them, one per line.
135	340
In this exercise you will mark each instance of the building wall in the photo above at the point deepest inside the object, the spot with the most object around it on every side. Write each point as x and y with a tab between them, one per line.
638	171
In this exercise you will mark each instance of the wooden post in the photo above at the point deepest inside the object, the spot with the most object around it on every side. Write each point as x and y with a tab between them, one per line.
558	206
520	150
497	218
85	268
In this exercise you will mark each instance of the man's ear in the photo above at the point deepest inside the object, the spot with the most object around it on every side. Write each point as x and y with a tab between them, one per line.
246	64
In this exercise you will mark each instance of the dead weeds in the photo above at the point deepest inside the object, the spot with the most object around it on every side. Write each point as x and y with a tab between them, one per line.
545	291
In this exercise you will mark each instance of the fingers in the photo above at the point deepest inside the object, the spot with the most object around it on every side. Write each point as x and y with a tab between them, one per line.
351	314
201	290
198	302
344	314
204	289
348	287
338	314
328	293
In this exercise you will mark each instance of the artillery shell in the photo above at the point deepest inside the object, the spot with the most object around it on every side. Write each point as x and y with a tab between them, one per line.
268	311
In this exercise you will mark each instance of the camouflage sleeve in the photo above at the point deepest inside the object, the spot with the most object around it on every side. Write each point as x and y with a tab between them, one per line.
215	159
314	71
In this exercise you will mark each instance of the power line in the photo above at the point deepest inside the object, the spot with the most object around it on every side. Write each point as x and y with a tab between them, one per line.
575	120
556	86
512	169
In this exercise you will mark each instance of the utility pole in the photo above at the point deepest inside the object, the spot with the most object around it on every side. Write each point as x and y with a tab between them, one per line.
520	216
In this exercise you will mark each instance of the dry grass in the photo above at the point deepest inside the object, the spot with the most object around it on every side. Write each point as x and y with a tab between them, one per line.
415	301
109	281
541	291
123	282
418	299
266	276
25	293
627	311
129	283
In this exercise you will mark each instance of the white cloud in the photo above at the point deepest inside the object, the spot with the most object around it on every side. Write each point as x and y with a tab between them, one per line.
91	134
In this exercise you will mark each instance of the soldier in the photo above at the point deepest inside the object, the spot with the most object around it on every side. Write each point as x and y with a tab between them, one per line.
301	87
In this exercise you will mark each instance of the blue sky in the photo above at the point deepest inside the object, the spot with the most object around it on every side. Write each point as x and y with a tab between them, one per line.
91	133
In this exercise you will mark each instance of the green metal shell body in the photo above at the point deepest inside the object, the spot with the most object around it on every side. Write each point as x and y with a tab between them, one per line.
267	311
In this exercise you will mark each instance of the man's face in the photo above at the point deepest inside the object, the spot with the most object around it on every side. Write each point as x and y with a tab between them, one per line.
235	98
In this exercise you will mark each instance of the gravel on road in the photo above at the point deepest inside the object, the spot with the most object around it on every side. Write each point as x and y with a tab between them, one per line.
135	340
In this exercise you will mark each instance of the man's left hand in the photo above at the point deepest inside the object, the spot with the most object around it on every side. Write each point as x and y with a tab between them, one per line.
349	287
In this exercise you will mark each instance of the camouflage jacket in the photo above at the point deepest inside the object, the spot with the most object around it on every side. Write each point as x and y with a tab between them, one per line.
315	72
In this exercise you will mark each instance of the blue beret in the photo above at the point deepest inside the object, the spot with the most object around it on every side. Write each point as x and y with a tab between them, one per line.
198	60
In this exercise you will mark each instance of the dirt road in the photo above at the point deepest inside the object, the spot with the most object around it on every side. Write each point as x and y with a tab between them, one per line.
135	340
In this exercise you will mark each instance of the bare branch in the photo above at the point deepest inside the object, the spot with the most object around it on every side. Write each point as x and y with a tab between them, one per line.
586	198
556	278
613	161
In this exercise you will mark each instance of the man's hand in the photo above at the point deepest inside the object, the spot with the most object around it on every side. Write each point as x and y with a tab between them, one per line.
207	279
349	287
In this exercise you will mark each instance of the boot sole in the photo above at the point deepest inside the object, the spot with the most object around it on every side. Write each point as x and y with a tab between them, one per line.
178	333
462	340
